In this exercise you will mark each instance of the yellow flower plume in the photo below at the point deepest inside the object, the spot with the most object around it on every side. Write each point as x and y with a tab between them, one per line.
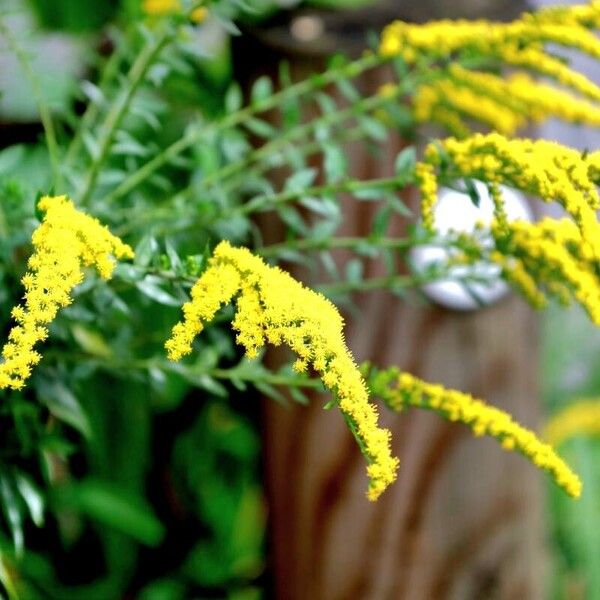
400	390
161	7
551	171
66	241
273	307
580	418
462	51
519	43
505	104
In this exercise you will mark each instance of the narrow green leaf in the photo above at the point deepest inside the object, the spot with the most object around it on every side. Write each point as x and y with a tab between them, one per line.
113	506
406	161
261	89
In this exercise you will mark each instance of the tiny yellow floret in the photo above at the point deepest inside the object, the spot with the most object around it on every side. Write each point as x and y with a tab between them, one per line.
66	241
199	15
580	418
272	307
161	7
400	390
549	170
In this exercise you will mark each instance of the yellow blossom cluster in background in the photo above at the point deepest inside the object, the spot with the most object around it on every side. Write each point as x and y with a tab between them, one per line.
401	390
553	257
579	419
468	57
159	8
548	170
65	242
550	254
503	104
272	307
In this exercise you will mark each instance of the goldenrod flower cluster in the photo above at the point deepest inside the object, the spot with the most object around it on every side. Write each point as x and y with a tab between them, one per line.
65	242
273	307
468	91
549	254
400	390
580	418
504	104
160	8
550	171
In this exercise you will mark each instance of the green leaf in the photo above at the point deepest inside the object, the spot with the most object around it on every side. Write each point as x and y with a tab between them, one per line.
354	270
91	341
348	90
270	391
150	287
261	90
335	163
292	218
406	161
13	511
373	128
260	128
63	404
381	221
111	505
301	180
233	98
145	251
32	497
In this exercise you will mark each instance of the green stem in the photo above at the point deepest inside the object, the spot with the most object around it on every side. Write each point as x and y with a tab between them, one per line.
109	72
374	283
270	378
232	374
119	109
163	211
234	119
243	165
352	243
329	243
271	201
292	136
45	114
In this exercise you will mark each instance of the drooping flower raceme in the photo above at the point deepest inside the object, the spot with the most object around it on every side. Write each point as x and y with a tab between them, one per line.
580	418
553	257
519	43
505	104
548	170
66	241
468	57
553	254
159	8
273	307
400	390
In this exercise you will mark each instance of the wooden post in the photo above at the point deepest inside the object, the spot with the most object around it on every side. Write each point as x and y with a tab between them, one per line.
463	519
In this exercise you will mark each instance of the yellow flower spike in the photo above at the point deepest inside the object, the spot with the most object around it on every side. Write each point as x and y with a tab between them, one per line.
160	8
503	103
519	44
547	169
515	273
274	307
579	418
585	15
199	15
400	390
66	241
553	253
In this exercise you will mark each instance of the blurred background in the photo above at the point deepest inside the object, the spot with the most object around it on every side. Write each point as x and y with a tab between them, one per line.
231	498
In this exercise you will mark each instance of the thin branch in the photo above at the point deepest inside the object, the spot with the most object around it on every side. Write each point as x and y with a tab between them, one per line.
119	109
196	134
45	113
